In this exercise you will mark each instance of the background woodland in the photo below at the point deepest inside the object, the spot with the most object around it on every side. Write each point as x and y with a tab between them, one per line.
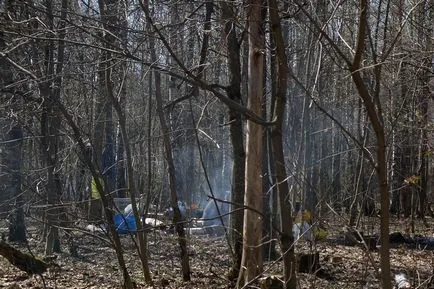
325	106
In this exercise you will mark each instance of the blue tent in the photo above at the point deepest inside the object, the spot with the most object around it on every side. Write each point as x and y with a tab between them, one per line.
124	224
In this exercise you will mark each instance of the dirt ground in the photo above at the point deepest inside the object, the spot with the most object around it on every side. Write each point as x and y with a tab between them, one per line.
341	266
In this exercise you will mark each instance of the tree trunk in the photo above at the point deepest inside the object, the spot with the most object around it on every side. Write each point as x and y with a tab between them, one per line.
108	12
177	219
430	102
50	126
120	151
11	136
374	113
106	202
269	244
424	99
100	102
109	22
251	262
280	176
236	136
11	161
131	190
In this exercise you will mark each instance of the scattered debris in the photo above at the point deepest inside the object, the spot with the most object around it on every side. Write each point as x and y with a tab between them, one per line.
96	228
271	282
401	281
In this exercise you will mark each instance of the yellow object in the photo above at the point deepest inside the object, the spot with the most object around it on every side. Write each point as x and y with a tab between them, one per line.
319	233
94	190
412	180
307	216
303	216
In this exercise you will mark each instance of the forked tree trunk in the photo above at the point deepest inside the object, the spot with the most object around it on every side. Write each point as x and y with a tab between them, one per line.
374	113
131	190
372	105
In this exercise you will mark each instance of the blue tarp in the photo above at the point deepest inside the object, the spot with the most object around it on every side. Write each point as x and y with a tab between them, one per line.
124	224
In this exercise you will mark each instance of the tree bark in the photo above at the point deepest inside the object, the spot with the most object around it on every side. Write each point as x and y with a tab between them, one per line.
11	160
374	114
236	136
50	127
280	177
251	262
11	153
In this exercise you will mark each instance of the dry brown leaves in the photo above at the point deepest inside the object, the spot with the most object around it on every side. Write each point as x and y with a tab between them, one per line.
96	267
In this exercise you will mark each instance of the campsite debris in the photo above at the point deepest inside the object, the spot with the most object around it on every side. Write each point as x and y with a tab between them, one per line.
401	281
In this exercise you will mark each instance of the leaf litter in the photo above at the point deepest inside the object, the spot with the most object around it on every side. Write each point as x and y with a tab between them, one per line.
210	260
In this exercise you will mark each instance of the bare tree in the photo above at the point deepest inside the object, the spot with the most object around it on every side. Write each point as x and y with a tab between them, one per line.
11	159
11	152
177	218
236	134
373	107
251	262
280	177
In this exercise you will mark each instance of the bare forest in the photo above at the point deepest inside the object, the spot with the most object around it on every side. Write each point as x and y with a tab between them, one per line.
216	144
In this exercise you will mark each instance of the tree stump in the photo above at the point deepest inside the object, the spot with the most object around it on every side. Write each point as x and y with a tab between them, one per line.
371	242
308	263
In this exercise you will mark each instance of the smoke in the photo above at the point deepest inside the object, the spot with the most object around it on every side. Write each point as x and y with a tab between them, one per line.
191	180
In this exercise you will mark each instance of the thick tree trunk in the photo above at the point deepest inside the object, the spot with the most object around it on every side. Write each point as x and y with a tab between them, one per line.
251	263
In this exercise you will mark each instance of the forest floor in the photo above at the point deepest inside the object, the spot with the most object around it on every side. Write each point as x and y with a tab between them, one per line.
96	266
